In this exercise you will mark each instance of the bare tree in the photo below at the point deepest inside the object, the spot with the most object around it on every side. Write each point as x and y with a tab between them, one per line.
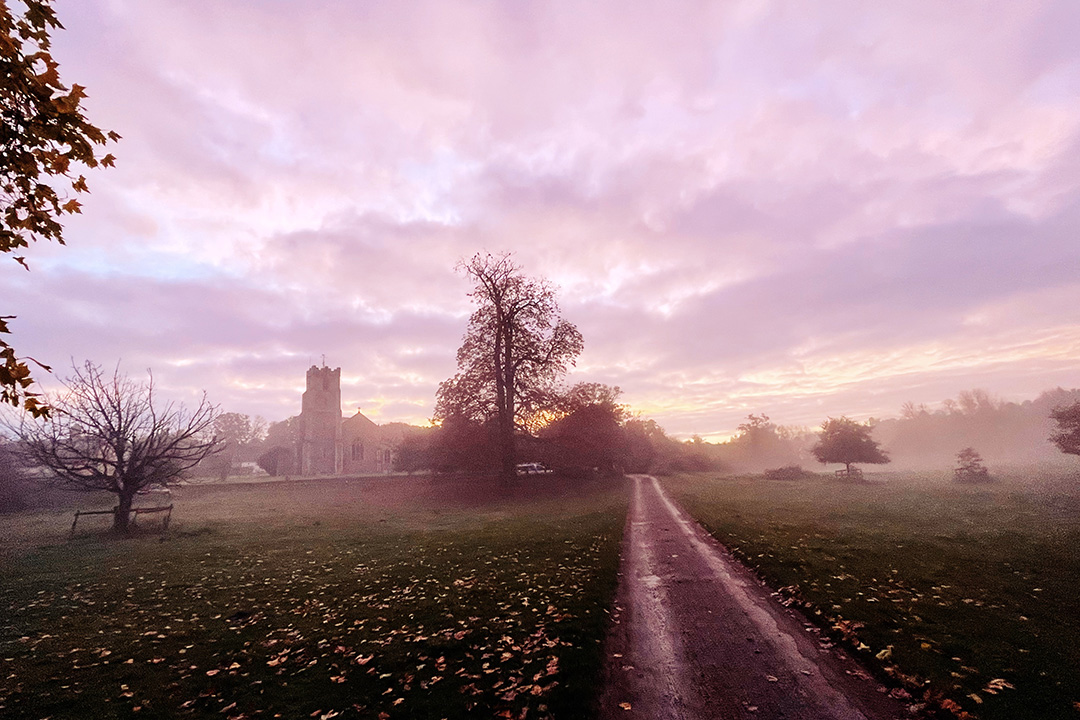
514	353
108	435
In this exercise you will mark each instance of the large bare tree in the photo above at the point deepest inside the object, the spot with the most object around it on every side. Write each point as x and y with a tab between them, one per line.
515	351
109	434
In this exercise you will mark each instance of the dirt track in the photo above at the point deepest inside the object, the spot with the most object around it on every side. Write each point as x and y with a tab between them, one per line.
696	635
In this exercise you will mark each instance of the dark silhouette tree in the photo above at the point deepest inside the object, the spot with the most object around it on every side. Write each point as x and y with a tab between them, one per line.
460	444
108	434
645	444
1067	434
44	137
843	440
515	351
588	435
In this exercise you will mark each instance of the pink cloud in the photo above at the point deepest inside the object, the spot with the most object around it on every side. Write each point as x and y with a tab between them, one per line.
723	191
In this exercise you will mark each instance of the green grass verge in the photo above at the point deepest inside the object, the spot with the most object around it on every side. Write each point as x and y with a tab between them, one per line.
962	586
261	603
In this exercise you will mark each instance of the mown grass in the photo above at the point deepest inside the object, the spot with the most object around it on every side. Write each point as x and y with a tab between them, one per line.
314	600
974	589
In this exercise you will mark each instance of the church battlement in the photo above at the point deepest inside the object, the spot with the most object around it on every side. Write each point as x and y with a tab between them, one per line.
323	393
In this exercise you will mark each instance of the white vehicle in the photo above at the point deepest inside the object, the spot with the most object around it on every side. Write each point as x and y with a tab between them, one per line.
532	468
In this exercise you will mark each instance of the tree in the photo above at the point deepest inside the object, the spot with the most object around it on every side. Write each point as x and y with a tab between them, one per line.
843	440
281	440
760	443
969	467
1067	434
44	136
239	434
514	352
108	434
588	434
239	429
460	444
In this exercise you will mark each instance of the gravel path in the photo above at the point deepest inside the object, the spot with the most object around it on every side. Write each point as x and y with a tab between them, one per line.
697	636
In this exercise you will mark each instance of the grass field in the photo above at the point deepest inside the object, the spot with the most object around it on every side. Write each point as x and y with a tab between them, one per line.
974	589
396	598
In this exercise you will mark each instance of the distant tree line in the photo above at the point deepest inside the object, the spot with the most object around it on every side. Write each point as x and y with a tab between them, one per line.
586	430
1001	431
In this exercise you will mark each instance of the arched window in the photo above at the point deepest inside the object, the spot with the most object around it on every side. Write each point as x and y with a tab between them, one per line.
357	450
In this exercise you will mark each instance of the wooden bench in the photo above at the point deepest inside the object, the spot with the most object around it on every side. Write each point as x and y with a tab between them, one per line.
134	511
852	474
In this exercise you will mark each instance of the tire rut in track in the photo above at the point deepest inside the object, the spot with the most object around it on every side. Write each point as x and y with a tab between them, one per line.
696	635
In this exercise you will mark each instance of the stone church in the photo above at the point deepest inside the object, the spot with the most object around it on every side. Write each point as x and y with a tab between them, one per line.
331	445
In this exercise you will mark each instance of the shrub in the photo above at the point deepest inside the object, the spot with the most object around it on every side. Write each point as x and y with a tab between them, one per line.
788	472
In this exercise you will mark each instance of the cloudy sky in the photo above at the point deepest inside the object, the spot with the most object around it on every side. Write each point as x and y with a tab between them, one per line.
797	208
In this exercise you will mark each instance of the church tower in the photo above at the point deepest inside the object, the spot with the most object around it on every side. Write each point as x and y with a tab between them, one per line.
320	422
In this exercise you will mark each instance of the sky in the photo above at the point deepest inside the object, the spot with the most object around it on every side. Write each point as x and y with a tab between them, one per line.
803	209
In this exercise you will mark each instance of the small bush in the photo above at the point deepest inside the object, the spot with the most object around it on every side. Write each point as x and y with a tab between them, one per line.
788	472
970	468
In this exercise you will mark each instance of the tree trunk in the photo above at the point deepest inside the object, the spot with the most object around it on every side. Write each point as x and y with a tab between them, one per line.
121	517
508	458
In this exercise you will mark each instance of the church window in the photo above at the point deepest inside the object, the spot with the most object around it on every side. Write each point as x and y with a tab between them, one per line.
358	450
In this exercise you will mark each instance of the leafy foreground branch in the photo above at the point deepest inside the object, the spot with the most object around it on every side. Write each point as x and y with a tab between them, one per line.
44	137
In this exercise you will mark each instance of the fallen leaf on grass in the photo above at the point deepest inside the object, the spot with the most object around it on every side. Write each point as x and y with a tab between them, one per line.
625	705
996	684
